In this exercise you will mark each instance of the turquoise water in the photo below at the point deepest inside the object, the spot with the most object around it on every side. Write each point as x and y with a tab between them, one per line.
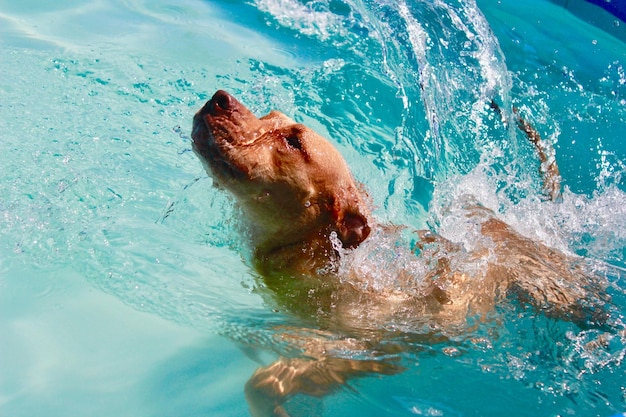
123	289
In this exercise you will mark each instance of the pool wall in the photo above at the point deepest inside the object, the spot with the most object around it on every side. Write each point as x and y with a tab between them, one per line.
609	16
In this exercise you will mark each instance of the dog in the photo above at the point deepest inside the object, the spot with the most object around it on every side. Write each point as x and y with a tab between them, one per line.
308	219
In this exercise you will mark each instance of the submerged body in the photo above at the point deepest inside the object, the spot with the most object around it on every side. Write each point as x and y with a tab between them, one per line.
312	235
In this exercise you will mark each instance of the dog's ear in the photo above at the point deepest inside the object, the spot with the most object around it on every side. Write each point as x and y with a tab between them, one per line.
352	228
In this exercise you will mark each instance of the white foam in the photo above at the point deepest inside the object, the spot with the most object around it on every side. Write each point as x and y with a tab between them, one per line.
303	18
589	225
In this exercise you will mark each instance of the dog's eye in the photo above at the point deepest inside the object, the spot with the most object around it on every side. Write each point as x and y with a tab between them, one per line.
294	141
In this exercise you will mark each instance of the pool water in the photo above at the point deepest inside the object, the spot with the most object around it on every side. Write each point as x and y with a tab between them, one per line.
124	287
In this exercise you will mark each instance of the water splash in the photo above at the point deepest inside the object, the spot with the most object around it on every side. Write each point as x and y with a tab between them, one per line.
313	18
446	65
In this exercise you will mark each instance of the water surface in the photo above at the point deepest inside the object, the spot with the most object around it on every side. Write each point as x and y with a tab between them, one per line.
123	282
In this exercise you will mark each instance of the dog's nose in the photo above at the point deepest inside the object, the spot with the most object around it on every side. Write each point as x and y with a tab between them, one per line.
222	100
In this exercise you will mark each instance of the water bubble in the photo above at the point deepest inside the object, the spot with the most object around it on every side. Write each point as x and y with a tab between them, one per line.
451	351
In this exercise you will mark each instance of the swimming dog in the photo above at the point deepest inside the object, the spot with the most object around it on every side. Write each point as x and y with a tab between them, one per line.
307	215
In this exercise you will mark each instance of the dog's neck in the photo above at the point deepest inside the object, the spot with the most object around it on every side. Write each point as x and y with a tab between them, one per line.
342	223
319	254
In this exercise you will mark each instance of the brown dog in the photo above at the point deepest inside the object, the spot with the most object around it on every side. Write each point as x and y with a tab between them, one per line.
309	218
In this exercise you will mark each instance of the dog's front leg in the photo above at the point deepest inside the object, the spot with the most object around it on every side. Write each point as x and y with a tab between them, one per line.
270	386
261	403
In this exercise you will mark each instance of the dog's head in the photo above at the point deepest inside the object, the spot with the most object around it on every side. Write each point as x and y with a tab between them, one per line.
291	182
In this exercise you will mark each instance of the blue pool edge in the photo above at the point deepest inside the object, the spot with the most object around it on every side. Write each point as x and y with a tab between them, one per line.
609	16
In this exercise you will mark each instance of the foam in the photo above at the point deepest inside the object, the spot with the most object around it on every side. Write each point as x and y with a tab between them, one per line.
305	19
